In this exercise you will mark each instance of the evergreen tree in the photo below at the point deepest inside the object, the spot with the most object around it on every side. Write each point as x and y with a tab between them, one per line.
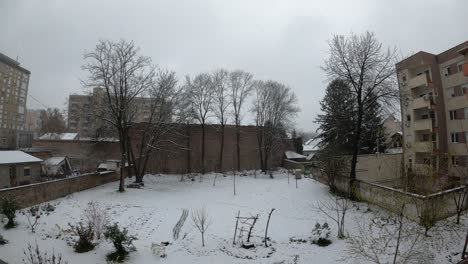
373	139
336	124
297	142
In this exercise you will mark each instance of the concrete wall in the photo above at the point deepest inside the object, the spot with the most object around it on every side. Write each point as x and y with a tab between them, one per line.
379	167
42	192
20	178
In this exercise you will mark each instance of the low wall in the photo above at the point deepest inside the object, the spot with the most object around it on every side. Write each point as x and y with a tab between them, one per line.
440	204
379	167
29	195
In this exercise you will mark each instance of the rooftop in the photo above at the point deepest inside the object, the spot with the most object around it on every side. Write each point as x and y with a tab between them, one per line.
16	156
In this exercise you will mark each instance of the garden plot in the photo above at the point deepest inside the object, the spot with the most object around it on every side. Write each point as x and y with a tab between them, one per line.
150	214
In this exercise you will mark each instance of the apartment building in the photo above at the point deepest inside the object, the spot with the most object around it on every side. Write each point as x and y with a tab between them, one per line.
85	114
14	81
434	107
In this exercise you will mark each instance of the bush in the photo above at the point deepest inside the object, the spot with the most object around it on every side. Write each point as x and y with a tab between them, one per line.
321	235
3	241
8	207
35	256
123	243
98	217
85	237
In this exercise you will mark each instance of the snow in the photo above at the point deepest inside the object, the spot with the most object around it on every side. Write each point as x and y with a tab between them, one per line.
59	136
54	161
150	213
16	156
293	155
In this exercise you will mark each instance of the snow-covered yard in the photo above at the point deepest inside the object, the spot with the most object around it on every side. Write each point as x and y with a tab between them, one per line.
150	213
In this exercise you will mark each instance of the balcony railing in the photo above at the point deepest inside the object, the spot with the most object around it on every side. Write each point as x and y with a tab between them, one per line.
423	124
422	102
418	81
423	146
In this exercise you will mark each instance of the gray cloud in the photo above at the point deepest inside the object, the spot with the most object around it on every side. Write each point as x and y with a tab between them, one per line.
281	40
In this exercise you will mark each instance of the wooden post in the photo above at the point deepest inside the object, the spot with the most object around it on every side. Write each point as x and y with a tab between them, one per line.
235	230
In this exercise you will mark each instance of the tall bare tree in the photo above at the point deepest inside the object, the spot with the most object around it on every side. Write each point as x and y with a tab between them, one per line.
240	87
124	74
52	121
369	69
221	103
154	134
274	108
200	91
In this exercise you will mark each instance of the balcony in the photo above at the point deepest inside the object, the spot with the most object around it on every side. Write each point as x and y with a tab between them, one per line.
423	146
423	124
422	102
458	148
418	81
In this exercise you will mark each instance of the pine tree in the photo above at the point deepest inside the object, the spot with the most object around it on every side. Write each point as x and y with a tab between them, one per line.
297	142
336	124
373	139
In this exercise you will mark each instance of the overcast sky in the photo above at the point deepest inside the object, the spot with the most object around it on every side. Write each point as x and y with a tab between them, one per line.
280	40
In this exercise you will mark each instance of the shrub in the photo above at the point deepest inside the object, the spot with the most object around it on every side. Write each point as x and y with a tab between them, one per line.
321	235
85	237
35	256
3	241
123	243
8	207
98	217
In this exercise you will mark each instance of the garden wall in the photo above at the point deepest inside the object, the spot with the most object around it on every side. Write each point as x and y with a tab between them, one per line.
29	195
441	205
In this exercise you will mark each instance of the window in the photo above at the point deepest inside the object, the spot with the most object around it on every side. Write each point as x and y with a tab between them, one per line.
403	78
453	114
27	172
460	67
408	118
455	160
451	92
454	137
425	137
447	71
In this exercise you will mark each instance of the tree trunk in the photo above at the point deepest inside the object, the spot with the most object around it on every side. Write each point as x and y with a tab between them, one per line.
357	138
122	162
203	148
238	146
221	152
189	156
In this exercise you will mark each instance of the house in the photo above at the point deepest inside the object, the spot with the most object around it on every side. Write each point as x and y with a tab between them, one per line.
59	136
57	167
394	143
310	146
18	168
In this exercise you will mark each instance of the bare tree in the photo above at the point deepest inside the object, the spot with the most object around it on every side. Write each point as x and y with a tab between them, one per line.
369	69
274	108
52	121
97	217
335	209
220	106
388	243
240	87
459	198
33	214
154	134
201	221
200	90
124	74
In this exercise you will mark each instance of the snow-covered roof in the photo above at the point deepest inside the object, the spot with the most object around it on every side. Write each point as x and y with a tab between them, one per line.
54	161
394	150
310	156
59	136
102	166
16	156
293	155
311	145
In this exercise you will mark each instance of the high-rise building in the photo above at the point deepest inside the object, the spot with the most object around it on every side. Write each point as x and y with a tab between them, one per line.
434	107
14	81
86	112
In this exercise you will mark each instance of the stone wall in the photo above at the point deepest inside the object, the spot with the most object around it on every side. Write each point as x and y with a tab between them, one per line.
29	195
379	167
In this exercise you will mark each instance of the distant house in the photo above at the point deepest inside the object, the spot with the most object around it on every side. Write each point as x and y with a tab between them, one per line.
59	136
18	168
393	135
310	147
57	167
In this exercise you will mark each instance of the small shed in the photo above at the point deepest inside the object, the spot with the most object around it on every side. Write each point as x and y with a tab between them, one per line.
18	168
57	167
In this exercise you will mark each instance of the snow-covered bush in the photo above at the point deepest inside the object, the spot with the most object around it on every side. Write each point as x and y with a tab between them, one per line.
34	255
321	235
123	243
3	241
33	214
8	207
98	217
85	237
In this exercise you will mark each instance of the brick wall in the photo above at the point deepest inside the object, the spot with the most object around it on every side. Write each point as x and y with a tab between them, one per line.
172	155
29	195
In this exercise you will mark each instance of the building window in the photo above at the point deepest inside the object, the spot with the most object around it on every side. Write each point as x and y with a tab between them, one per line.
460	67
453	114
27	172
403	78
455	161
447	71
454	137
